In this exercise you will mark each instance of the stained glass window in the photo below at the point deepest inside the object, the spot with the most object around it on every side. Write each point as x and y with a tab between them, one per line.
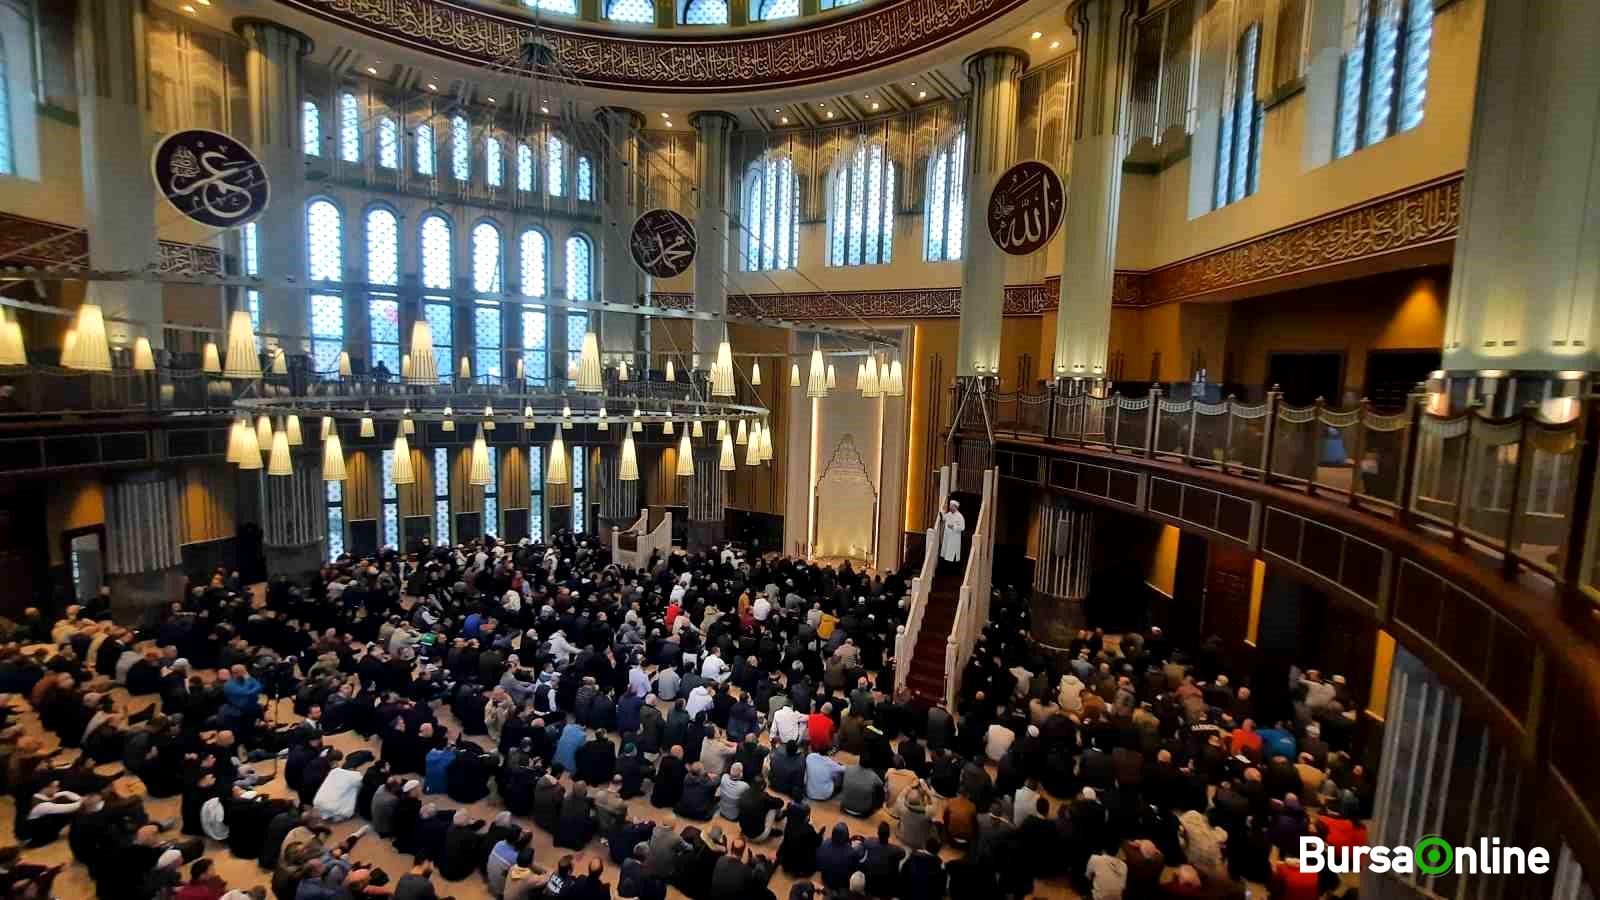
486	258
631	11
705	12
335	519
436	263
536	493
580	507
324	241
861	216
460	148
388	143
585	179
555	166
491	494
423	137
441	497
327	331
525	167
947	200
535	353
391	505
567	7
1383	78
311	127
1239	134
439	316
383	246
383	312
771	213
493	166
349	128
778	9
486	338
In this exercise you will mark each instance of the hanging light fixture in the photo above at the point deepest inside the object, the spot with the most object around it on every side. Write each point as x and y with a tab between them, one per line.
589	377
818	385
328	428
833	378
12	351
90	351
465	371
519	369
144	359
448	424
280	362
794	375
766	443
861	377
402	472
628	469
722	380
263	433
743	435
897	379
697	430
405	368
602	425
249	448
666	426
637	425
755	373
344	364
722	429
291	427
278	459
242	359
556	472
752	450
725	461
566	416
69	340
488	417
236	441
672	374
424	364
210	357
366	427
478	473
527	415
622	370
685	457
332	458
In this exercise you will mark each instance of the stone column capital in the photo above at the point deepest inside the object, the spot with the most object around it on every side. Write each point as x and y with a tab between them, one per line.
993	61
713	120
621	116
256	31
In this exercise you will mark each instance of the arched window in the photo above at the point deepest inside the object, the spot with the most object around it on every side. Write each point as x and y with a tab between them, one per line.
460	148
349	128
580	287
535	263
555	166
861	211
311	127
947	201
1239	130
535	319
525	167
1383	78
705	12
585	179
434	242
424	141
388	143
325	243
771	213
493	166
565	7
8	164
383	307
249	237
830	4
631	11
767	10
486	258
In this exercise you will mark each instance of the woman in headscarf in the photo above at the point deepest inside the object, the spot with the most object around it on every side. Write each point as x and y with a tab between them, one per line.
797	854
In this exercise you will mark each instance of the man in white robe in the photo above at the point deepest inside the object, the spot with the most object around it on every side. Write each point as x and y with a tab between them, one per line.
953	524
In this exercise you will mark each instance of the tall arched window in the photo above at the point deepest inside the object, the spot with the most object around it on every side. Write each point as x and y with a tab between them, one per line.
325	258
486	258
642	11
460	148
493	166
525	167
388	143
705	12
311	127
1383	79
1239	130
767	10
861	211
423	138
555	166
349	127
947	201
580	287
435	252
535	277
383	269
535	263
771	213
584	182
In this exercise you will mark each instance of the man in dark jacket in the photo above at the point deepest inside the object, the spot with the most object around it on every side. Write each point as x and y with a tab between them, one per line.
597	759
699	800
670	775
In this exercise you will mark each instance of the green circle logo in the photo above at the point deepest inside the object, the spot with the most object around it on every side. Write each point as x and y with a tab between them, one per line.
1434	855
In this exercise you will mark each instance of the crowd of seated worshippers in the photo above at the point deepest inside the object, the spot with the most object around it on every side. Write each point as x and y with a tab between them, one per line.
730	696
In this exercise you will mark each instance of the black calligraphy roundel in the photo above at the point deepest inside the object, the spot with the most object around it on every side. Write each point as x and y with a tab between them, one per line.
210	178
1026	208
663	243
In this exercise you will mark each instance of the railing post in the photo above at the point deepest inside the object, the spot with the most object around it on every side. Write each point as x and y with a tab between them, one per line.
1457	538
1050	415
1227	443
1269	434
1408	459
1360	450
1520	476
1116	419
1152	420
1576	608
1315	450
1194	426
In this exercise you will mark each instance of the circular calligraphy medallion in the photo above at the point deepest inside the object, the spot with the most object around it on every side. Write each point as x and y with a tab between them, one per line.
1026	207
210	178
663	243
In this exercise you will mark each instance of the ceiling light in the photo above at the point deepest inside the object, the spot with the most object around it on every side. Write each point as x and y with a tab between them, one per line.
777	110
663	115
874	106
545	110
204	2
830	115
1055	45
432	86
785	120
921	94
1036	35
188	9
372	70
913	84
492	100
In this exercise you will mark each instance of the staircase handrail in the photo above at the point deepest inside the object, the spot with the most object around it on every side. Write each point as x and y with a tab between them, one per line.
972	609
649	542
921	584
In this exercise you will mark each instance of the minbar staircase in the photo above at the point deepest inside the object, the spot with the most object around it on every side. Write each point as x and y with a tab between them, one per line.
926	675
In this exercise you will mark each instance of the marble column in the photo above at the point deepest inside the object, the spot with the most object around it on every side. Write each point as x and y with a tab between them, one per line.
294	526
273	84
621	280
144	522
991	143
1061	570
1105	31
706	524
1526	274
113	141
714	131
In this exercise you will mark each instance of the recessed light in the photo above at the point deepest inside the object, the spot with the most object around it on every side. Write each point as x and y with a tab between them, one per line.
188	9
785	120
913	84
830	115
663	115
866	96
545	110
778	110
1055	45
492	100
921	94
432	86
1036	35
874	106
204	2
372	70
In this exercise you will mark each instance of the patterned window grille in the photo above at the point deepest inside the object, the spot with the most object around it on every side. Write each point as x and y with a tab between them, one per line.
1383	78
441	496
383	246
437	311
1239	137
335	519
565	7
535	319
771	213
383	312
486	258
486	337
491	495
391	503
460	148
250	239
388	143
526	169
641	11
947	201
311	127
423	138
584	183
580	282
580	508
705	12
325	243
435	247
555	166
861	217
536	493
778	9
7	158
493	165
349	128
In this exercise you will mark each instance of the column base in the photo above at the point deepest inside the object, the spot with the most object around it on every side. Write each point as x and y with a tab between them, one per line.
700	536
1056	620
134	595
295	562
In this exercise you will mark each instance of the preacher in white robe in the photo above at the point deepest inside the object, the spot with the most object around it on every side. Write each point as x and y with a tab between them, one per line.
953	523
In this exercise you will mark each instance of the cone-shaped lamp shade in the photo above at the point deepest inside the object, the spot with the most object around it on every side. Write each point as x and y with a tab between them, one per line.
424	365
263	433
722	429
572	370
89	351
488	417
666	426
752	450
407	426
249	448
144	359
897	379
556	472
833	378
602	424
794	375
527	413
366	427
628	470
479	473
465	372
280	362
871	388
685	457
725	461
241	358
520	369
637	425
755	373
566	415
861	377
327	427
344	364
743	435
236	441
291	427
722	371
14	353
766	443
403	473
211	359
278	459
589	376
622	371
69	340
448	424
818	383
332	458
697	430
672	374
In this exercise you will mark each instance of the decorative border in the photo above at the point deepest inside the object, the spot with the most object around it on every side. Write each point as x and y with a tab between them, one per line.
882	33
36	242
